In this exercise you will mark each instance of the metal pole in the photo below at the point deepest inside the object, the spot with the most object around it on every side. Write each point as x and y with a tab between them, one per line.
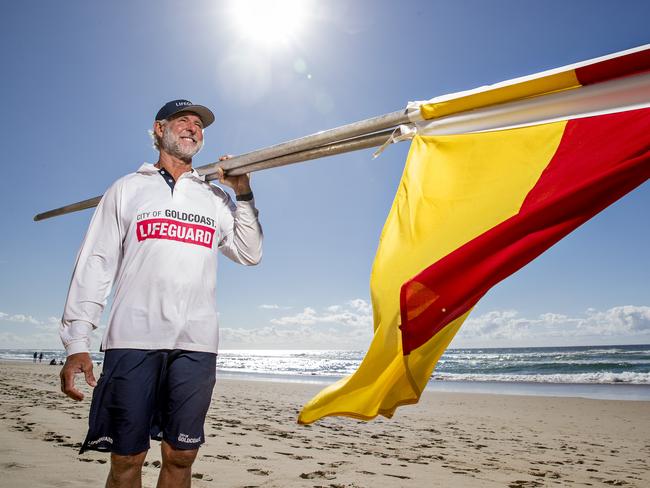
624	93
73	207
354	144
318	139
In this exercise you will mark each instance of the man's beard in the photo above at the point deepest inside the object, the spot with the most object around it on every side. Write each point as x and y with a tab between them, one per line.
171	144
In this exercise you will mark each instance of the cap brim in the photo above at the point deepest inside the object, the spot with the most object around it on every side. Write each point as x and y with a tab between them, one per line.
204	113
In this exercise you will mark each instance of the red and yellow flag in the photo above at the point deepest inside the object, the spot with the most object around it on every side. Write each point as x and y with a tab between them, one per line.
471	209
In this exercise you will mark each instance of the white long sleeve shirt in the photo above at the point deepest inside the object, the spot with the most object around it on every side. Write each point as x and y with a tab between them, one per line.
158	248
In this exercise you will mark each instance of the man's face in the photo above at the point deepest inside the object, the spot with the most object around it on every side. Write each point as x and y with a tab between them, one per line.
182	136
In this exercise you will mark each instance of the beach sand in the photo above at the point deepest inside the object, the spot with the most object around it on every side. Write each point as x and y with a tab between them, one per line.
448	439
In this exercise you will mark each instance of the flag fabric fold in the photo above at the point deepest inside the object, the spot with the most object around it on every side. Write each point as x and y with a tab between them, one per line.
470	210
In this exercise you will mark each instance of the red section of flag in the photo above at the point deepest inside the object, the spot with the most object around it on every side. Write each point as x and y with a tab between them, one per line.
599	160
630	64
175	230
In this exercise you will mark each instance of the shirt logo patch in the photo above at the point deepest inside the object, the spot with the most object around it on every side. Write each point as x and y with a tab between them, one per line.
174	230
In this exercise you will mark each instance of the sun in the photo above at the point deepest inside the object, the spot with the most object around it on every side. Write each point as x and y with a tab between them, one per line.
271	22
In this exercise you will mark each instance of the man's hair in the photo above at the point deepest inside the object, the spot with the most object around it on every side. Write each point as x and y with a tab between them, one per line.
155	140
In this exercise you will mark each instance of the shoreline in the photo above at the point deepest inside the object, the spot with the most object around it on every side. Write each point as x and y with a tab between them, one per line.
594	391
252	439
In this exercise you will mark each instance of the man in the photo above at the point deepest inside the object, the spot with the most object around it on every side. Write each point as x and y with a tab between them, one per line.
155	235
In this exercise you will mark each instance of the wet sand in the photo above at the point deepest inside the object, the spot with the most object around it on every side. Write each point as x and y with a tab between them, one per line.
448	439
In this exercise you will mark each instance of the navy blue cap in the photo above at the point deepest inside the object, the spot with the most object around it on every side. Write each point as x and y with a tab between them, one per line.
175	106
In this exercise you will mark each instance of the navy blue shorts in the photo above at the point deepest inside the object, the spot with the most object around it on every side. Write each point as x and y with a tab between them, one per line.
156	394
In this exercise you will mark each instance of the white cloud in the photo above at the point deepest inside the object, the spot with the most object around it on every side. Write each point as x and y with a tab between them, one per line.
19	318
23	318
32	333
42	337
302	337
345	326
355	313
361	306
626	319
273	307
306	317
509	327
34	339
349	326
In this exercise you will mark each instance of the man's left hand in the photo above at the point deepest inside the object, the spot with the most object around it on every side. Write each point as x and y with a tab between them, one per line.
240	184
75	364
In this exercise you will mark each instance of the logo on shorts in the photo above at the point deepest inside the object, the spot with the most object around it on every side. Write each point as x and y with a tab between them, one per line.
100	440
187	439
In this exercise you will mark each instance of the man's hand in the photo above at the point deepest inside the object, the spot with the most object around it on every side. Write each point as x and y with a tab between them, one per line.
240	184
75	364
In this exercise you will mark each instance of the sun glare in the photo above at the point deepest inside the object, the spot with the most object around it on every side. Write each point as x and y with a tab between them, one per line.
269	21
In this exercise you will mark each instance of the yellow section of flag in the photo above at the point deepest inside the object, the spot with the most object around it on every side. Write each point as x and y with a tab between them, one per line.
565	80
453	189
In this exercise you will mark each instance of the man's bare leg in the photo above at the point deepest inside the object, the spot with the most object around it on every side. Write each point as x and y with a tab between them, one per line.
176	470
126	471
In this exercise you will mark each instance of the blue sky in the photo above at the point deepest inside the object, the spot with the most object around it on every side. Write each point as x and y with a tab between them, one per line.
83	80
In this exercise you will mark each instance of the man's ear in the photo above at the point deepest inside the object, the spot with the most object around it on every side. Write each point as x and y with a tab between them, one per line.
158	128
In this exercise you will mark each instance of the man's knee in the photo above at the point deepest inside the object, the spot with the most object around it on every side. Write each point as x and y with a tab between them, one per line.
180	458
129	462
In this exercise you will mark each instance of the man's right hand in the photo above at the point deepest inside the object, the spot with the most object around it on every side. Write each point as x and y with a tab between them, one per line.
75	364
241	184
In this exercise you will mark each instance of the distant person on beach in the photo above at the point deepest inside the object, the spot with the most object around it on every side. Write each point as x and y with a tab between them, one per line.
40	358
155	236
53	362
35	356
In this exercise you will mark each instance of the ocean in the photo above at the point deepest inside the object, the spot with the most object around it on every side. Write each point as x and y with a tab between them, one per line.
620	372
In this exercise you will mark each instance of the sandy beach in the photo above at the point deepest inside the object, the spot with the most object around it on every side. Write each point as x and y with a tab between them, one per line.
448	439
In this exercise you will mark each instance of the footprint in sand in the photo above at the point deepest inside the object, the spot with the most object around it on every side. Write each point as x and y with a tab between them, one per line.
89	460
201	476
400	476
326	475
524	484
14	466
293	456
259	472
